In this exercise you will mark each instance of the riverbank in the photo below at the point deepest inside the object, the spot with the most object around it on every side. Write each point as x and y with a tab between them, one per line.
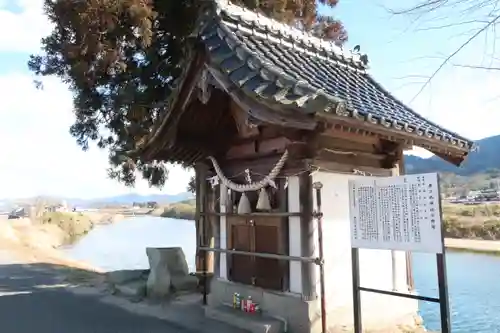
36	246
473	245
478	222
71	226
39	238
184	210
24	252
473	228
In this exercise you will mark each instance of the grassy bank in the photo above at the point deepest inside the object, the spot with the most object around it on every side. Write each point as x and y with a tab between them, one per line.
38	239
180	210
480	222
73	225
68	227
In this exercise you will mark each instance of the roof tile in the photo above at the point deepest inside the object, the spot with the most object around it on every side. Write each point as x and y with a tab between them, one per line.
285	65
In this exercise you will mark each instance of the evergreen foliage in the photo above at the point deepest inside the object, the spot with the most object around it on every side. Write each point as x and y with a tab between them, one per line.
120	58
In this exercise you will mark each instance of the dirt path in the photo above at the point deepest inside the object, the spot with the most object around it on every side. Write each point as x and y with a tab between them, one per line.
37	280
62	295
38	291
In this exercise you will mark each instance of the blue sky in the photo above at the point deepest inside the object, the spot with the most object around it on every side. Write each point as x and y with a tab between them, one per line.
40	157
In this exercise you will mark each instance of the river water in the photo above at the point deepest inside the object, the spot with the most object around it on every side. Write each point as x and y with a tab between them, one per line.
473	278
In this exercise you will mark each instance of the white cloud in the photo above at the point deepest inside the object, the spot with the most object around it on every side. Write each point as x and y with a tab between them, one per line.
22	32
38	155
463	100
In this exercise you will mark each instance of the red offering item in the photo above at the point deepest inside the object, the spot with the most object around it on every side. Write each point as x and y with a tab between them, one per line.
252	308
249	304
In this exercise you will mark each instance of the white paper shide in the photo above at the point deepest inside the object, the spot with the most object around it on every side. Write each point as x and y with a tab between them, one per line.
396	213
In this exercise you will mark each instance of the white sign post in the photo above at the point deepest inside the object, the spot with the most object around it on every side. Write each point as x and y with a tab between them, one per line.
398	213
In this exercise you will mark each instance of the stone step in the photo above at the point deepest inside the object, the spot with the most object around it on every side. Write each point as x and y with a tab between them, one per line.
192	318
251	322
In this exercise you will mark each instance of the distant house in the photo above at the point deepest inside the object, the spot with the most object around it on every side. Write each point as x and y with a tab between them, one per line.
17	213
62	207
472	195
152	204
483	195
489	195
149	204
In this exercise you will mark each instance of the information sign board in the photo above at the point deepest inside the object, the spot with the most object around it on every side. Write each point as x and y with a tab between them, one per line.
396	213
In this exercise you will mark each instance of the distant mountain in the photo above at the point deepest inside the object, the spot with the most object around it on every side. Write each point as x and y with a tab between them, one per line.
486	158
126	199
131	198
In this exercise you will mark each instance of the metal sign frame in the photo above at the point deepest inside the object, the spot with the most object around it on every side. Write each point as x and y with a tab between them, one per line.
443	299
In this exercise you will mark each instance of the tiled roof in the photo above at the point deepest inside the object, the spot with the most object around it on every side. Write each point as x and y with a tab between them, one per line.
284	65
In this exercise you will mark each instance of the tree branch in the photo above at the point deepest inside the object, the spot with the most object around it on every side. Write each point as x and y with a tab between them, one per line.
479	67
449	57
451	25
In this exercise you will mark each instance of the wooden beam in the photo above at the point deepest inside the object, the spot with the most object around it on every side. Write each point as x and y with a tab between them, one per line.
330	166
331	154
272	145
349	133
336	143
164	135
396	135
267	148
260	167
242	150
389	147
354	159
241	120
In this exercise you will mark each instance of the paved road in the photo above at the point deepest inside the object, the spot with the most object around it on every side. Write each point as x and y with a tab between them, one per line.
25	307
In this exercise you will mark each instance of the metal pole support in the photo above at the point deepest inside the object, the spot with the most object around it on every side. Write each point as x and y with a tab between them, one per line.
317	186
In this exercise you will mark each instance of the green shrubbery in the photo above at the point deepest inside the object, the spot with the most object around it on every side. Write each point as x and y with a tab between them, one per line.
460	221
185	210
74	225
472	221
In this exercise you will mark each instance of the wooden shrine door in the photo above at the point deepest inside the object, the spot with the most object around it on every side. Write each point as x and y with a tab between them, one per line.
241	267
260	235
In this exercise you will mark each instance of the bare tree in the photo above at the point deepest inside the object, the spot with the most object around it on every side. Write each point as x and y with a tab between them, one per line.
36	210
473	19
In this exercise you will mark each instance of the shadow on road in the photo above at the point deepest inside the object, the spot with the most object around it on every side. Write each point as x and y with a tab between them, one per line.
33	299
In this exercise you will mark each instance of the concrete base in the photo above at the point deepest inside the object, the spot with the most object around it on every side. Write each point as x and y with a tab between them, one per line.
289	309
251	322
300	316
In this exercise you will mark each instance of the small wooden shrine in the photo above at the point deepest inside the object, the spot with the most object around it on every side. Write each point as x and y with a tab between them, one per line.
262	112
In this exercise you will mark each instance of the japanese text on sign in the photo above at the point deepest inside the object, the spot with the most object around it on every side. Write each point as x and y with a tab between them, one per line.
396	213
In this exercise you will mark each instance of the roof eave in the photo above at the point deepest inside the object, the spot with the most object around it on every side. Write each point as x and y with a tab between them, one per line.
163	134
456	160
445	150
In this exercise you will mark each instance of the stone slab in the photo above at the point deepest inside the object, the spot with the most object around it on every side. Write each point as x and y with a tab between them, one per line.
136	289
252	322
127	275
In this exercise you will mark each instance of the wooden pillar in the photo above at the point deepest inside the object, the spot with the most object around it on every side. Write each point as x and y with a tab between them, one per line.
307	233
211	200
204	235
215	228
